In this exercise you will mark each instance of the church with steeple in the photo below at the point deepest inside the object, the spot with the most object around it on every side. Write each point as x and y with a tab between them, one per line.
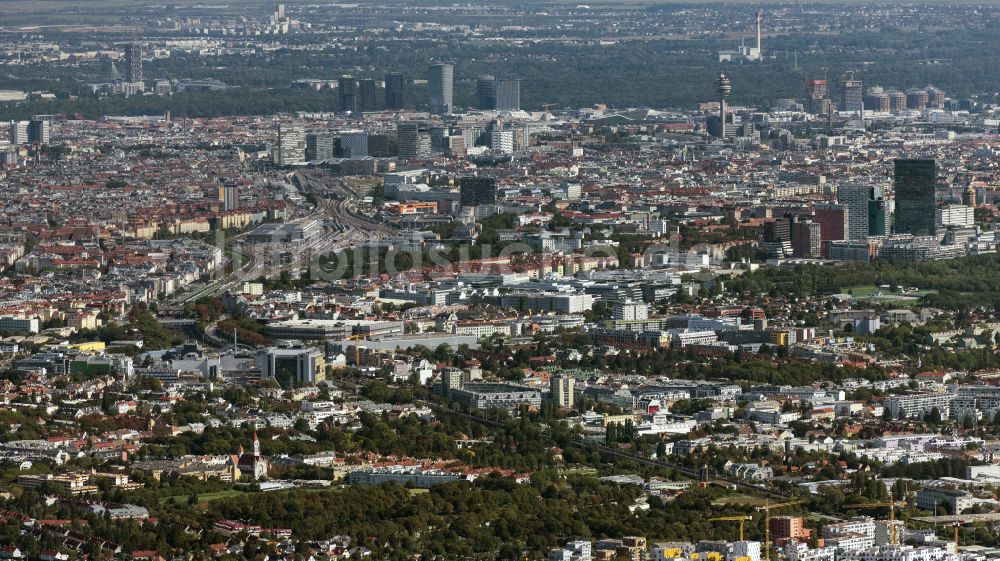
252	464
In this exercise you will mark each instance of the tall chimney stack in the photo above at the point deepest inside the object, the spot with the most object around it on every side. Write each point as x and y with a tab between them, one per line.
759	52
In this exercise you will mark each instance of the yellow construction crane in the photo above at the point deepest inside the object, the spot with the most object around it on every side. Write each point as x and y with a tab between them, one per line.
740	519
956	525
767	508
891	503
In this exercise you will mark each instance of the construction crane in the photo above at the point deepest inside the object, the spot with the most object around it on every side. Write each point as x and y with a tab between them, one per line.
767	508
891	503
740	519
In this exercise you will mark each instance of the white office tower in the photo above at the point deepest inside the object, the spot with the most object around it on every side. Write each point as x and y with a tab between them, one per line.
502	141
630	311
561	388
855	199
19	132
291	144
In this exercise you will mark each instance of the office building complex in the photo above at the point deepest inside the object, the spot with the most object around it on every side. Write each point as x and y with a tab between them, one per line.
475	191
290	367
354	144
39	131
19	132
395	91
630	311
956	216
508	95
854	198
852	95
440	84
915	197
291	147
833	220
319	147
879	214
778	230
347	89
807	238
561	390
413	140
367	95
133	62
486	92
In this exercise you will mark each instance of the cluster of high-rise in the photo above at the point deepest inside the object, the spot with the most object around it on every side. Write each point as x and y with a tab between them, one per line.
866	219
855	99
492	93
498	94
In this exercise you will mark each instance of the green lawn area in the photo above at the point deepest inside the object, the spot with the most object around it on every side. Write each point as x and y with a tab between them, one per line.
886	296
206	497
860	291
418	491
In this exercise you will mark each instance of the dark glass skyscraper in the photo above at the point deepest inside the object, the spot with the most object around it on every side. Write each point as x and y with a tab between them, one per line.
915	197
475	191
486	92
367	95
395	91
347	88
508	95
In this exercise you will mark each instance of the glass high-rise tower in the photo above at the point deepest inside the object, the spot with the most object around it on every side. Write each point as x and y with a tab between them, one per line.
395	91
916	197
440	84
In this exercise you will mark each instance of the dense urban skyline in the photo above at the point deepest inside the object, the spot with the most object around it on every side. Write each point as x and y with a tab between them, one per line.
507	281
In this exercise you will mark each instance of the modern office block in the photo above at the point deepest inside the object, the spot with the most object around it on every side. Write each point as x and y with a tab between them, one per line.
291	147
347	90
508	95
915	184
395	91
475	191
367	95
440	85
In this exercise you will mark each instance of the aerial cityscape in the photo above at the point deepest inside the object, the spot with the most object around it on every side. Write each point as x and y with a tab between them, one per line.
513	281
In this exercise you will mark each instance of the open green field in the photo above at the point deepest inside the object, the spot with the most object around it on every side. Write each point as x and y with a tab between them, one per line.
878	295
206	497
